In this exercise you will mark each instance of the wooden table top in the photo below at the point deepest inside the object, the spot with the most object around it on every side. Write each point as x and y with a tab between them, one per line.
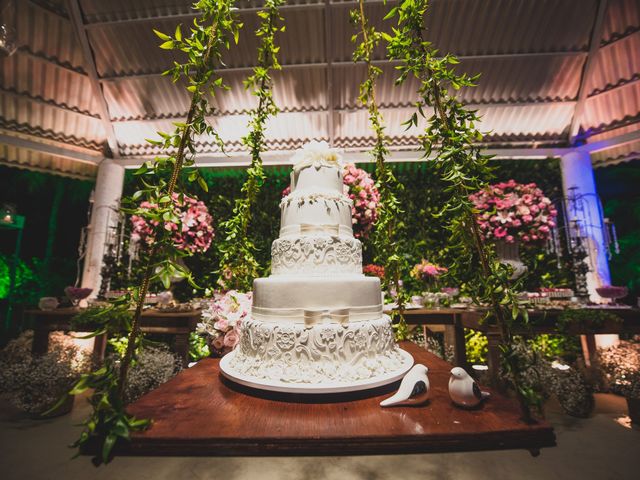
199	413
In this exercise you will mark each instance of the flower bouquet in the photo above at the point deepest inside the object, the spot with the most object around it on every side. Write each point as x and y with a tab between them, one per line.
427	272
221	320
360	187
192	233
372	270
511	211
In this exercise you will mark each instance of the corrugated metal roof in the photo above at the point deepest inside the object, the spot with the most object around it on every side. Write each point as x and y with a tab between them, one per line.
470	27
47	33
531	55
502	80
623	17
612	106
158	97
615	64
22	158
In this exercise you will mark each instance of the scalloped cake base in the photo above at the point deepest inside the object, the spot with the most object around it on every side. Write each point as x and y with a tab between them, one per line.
314	388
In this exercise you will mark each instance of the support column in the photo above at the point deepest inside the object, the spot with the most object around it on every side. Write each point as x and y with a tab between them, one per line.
577	173
106	200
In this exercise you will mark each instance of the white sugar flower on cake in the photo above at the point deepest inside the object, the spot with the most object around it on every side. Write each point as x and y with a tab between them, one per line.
316	154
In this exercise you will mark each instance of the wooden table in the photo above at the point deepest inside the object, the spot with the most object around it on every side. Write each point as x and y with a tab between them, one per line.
544	322
178	324
198	413
541	321
451	319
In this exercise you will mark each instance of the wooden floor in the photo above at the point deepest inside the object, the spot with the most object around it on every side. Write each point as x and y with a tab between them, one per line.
197	413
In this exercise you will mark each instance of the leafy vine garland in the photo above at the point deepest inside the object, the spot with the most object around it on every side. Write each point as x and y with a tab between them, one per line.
464	170
211	33
238	265
387	234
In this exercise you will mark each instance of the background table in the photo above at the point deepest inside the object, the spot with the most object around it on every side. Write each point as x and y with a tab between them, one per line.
541	321
177	324
197	413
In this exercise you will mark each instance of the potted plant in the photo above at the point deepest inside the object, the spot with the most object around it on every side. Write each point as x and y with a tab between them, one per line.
35	384
621	368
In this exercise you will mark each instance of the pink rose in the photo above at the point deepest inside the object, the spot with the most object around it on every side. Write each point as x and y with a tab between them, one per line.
231	338
218	343
222	324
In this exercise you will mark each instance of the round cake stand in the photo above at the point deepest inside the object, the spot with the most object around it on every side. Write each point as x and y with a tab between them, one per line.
315	388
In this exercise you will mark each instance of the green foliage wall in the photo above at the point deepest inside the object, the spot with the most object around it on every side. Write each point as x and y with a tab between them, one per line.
32	193
426	237
618	189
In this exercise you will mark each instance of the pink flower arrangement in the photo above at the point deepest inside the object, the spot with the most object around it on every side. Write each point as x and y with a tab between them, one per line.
193	233
361	189
373	270
509	210
222	318
426	271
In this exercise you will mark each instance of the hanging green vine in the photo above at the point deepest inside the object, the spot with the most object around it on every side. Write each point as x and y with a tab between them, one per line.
211	33
464	170
238	265
388	229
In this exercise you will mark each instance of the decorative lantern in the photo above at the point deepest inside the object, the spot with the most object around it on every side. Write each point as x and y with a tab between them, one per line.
8	214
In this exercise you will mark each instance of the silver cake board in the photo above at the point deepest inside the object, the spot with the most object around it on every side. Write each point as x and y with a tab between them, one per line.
314	388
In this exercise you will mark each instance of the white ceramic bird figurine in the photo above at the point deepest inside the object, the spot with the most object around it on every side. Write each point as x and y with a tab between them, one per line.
414	388
464	390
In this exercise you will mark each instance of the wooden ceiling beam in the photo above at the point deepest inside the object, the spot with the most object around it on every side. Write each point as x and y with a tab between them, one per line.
50	147
350	63
583	94
328	52
75	12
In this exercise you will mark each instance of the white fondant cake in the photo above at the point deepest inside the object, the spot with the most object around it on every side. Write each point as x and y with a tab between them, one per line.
317	321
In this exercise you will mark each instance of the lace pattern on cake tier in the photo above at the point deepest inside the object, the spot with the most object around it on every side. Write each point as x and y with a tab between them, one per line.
324	353
313	197
316	255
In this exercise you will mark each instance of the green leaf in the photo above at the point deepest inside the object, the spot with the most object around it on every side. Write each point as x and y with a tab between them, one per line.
162	36
107	447
203	184
168	45
178	33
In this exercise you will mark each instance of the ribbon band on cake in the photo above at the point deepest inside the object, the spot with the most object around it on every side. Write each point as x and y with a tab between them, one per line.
311	229
305	315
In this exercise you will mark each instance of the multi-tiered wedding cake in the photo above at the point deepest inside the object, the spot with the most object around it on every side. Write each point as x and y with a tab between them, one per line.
316	323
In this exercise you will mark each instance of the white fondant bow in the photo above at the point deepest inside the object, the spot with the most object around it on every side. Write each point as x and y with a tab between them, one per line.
315	317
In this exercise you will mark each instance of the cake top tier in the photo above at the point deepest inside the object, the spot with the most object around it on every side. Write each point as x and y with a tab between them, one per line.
317	168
